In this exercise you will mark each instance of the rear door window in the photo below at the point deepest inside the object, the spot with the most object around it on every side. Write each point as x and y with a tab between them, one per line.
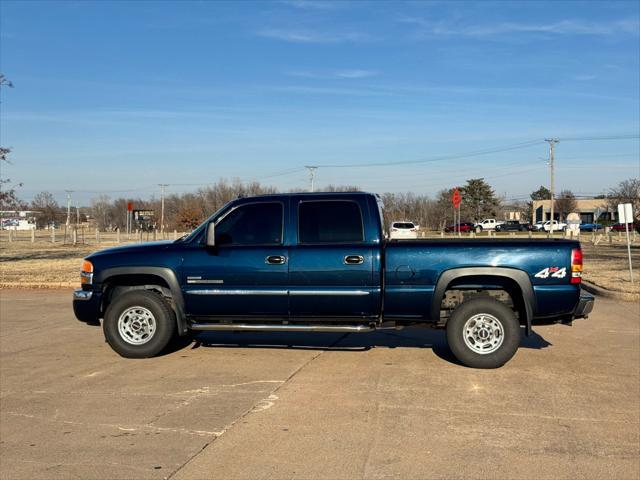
330	221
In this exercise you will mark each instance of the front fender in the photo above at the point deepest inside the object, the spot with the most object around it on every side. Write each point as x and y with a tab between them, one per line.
167	274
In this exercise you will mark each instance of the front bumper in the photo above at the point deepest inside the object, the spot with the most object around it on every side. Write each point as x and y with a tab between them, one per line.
585	306
86	306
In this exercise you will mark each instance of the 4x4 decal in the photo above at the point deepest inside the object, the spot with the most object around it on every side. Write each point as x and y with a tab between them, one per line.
555	272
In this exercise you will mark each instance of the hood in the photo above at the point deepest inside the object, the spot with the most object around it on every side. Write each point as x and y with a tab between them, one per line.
133	248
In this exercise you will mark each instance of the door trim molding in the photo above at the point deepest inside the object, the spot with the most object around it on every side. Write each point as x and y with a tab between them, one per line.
320	293
293	293
237	292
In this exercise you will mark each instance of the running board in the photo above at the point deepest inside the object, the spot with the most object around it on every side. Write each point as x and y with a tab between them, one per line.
247	327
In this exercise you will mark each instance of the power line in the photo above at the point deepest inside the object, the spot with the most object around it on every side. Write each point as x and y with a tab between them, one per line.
476	153
605	137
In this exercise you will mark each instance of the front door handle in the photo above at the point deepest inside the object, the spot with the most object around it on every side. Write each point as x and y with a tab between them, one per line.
353	259
276	259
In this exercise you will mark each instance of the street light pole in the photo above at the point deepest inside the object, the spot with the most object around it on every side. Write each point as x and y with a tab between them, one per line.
312	175
552	143
162	187
68	192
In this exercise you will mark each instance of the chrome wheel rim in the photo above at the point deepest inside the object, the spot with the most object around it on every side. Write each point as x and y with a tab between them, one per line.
483	333
136	325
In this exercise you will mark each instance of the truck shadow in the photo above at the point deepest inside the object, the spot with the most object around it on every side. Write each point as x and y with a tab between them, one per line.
350	342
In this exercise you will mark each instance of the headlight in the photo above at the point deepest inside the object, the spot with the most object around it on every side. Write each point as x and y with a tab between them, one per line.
86	273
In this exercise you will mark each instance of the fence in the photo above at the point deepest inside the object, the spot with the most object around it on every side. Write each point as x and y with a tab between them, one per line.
83	235
595	238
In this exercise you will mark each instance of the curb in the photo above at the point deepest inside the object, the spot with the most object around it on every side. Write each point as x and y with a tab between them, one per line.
603	292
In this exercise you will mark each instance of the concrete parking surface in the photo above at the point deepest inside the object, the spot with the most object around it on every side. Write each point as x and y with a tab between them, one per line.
388	404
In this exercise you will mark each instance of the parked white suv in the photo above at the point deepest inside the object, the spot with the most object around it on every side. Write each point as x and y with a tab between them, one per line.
403	230
488	224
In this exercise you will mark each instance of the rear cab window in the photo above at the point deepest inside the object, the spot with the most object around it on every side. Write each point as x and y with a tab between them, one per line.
404	225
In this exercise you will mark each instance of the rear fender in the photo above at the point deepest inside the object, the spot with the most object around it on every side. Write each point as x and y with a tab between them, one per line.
521	278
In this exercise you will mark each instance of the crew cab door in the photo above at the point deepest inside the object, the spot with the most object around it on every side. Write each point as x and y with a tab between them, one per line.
246	272
331	263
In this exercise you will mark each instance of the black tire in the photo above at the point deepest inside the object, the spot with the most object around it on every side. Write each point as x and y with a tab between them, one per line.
500	312
163	316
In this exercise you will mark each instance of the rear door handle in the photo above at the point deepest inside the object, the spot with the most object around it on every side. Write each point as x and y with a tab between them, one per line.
276	259
353	259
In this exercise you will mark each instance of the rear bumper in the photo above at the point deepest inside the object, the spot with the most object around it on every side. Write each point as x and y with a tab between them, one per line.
86	306
585	306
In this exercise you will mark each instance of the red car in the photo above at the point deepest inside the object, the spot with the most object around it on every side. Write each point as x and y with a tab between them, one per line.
619	227
462	227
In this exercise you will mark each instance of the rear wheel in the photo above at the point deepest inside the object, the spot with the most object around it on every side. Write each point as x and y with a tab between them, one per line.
483	333
139	324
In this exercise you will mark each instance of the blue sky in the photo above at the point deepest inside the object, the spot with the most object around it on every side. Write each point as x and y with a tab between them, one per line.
117	97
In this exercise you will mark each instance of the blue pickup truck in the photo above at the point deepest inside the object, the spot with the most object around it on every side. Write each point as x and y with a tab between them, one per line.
320	262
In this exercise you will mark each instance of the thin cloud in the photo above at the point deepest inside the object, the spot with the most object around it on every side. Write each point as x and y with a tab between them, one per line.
335	74
355	73
563	27
584	78
309	36
314	4
352	92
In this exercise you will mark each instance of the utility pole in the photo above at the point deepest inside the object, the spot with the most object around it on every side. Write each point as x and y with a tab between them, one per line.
552	143
69	192
312	175
162	187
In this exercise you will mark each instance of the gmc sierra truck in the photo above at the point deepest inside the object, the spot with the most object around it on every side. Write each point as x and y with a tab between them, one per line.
320	262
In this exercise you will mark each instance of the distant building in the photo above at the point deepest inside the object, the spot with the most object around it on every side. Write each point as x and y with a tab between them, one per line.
589	209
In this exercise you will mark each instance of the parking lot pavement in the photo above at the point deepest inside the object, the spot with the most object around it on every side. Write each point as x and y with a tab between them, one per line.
388	404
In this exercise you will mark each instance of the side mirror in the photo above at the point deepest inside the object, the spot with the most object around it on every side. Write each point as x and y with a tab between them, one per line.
211	235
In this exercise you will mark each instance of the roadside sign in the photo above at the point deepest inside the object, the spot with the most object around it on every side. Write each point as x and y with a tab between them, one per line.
625	216
130	206
457	198
143	215
625	213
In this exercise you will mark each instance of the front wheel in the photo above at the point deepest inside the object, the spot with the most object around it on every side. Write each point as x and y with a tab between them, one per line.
139	324
483	333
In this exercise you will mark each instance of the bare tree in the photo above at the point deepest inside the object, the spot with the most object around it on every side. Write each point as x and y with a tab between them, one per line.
47	207
102	212
627	191
565	203
8	196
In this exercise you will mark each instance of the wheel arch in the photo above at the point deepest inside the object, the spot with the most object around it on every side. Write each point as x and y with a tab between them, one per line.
147	278
501	276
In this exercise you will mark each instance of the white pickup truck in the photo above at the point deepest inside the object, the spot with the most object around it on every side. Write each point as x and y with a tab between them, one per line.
487	224
557	226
